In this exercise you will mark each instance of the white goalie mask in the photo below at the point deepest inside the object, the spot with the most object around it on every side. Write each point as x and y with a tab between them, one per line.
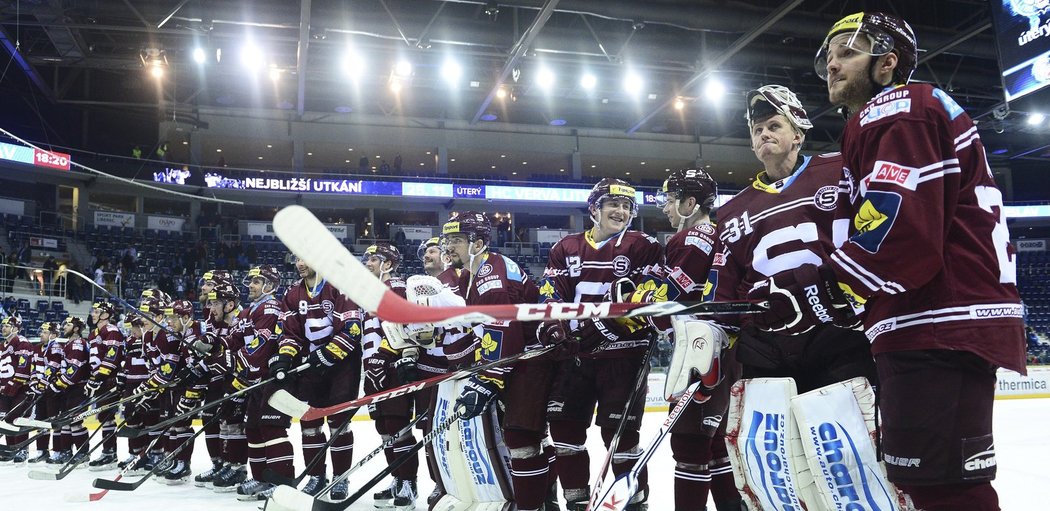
776	99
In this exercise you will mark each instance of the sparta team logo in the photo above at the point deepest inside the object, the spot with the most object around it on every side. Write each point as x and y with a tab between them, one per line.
485	270
621	266
327	306
826	197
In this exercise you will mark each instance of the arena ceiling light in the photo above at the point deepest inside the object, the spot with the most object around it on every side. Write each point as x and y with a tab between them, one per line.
714	90
252	57
588	81
451	71
633	83
1036	119
545	78
353	64
155	61
198	55
403	68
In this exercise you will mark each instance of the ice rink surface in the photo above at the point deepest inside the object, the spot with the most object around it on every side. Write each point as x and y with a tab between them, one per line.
1022	433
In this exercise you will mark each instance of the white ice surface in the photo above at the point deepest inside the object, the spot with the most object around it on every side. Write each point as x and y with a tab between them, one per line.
1022	431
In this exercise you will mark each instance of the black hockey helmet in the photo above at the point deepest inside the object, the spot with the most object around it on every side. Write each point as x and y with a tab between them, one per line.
689	183
386	252
472	223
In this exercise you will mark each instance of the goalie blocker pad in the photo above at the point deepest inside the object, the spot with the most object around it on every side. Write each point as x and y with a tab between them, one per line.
837	424
812	451
470	457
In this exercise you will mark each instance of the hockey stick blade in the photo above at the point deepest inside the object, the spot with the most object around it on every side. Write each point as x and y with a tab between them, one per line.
7	428
290	498
311	241
284	402
43	475
26	422
619	493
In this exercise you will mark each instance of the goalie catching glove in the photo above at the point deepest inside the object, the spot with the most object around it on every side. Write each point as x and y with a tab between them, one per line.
801	299
697	355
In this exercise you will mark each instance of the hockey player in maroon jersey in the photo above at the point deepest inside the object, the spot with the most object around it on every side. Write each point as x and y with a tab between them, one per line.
225	440
165	359
134	371
45	365
323	328
390	416
106	346
698	436
928	257
258	326
491	279
603	355
69	385
16	367
794	213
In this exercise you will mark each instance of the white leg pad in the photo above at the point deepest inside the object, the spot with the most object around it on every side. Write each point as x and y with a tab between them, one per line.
837	424
769	462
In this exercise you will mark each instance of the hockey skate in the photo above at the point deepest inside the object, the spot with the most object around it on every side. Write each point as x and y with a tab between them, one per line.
41	457
639	501
179	473
314	484
105	462
205	478
59	457
250	489
19	457
385	499
405	500
339	492
5	458
551	502
229	477
80	459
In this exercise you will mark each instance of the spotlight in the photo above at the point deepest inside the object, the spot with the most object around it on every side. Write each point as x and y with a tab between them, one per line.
545	78
275	74
588	82
451	71
679	104
632	83
353	65
501	93
1036	119
252	57
156	70
395	87
198	55
403	68
714	90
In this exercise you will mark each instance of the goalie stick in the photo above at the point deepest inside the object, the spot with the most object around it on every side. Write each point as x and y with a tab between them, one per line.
311	241
284	402
640	379
288	497
137	432
93	497
74	462
113	484
617	495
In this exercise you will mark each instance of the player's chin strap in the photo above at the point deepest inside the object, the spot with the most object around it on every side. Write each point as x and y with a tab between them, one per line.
684	219
470	266
597	219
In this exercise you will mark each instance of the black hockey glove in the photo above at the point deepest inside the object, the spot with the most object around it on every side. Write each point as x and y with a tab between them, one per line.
233	408
594	334
92	386
478	392
801	299
406	366
555	333
189	401
327	356
282	362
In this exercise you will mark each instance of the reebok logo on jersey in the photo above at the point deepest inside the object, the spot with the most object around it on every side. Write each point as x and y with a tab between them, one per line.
814	302
892	173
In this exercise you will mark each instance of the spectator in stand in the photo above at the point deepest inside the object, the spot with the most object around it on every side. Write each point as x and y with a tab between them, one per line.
400	239
50	272
74	286
180	286
25	256
289	261
384	168
397	164
252	254
162	151
362	164
136	152
11	272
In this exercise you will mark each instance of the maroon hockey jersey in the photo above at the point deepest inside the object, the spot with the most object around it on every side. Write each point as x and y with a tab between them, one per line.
769	228
133	364
164	356
16	365
106	347
500	281
582	270
315	317
256	333
75	364
929	252
689	256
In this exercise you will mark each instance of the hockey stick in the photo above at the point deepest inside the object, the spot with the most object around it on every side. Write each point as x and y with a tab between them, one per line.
92	497
111	484
619	493
69	419
136	432
64	470
50	422
271	476
311	241
640	379
123	302
45	427
287	496
322	505
286	403
7	428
